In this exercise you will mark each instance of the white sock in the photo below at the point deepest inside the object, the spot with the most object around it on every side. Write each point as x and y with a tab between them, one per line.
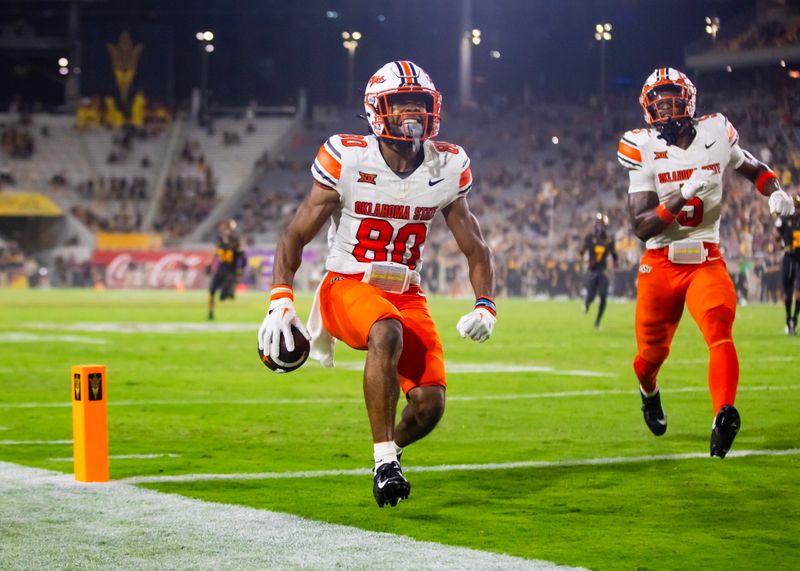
385	452
397	449
648	394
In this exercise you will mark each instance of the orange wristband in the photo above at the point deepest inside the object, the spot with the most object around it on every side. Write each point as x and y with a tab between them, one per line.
280	291
665	215
763	179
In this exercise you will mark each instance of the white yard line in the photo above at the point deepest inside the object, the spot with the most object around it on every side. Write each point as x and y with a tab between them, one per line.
450	398
15	337
122	457
615	460
59	523
144	327
27	442
747	361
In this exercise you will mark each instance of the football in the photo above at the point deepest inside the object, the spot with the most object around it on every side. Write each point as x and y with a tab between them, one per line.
288	361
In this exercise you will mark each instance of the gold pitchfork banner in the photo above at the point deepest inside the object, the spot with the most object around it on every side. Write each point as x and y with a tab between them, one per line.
124	61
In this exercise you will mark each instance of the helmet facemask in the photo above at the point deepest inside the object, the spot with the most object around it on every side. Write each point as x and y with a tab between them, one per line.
406	126
668	101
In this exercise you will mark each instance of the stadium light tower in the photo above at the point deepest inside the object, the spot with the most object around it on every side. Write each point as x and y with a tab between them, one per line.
712	27
206	48
602	33
350	43
465	55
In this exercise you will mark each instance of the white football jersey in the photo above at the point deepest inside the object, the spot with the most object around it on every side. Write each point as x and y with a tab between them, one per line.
384	216
654	166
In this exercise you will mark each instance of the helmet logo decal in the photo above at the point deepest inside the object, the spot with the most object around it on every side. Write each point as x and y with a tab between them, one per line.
407	72
376	79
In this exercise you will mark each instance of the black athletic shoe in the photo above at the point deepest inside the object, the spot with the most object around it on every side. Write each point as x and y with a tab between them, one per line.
389	485
654	416
793	327
726	426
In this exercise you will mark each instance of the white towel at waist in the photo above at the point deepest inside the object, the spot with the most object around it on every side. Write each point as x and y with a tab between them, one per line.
322	342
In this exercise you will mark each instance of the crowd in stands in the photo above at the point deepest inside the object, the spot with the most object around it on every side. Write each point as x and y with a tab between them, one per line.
12	263
125	219
189	195
16	140
145	115
770	34
542	172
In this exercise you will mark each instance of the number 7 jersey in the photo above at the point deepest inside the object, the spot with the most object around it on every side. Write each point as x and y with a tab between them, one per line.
384	216
655	166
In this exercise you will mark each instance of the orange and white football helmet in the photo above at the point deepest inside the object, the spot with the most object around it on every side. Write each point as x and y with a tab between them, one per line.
402	77
668	95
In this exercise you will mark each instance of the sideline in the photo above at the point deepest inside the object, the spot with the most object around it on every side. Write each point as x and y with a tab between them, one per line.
58	523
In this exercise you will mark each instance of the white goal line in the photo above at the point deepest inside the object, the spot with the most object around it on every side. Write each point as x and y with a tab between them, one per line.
535	464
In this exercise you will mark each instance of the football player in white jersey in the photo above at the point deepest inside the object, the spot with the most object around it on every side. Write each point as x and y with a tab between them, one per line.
674	203
380	193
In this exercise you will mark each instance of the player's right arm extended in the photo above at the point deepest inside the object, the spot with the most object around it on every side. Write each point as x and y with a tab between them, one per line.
309	218
281	315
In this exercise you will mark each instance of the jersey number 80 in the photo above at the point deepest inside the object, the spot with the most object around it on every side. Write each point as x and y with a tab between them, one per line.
374	235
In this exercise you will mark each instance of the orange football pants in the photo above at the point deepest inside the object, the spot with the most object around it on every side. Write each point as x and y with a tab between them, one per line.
350	308
707	291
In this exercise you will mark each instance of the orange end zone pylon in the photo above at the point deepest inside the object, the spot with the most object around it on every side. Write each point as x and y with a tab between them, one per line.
89	423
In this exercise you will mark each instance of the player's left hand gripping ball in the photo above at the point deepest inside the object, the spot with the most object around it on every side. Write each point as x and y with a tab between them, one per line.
781	203
478	324
283	340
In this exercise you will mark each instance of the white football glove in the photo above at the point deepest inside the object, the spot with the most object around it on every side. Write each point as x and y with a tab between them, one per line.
695	184
477	325
781	203
279	320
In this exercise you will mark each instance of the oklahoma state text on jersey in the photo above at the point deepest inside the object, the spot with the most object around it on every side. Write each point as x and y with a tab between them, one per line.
655	166
384	216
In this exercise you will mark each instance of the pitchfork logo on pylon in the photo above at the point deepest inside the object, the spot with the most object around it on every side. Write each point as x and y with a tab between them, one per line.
95	386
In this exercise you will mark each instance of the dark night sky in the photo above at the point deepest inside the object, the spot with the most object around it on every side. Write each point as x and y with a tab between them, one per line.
268	49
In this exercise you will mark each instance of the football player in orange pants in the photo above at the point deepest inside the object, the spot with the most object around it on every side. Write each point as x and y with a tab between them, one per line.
380	193
674	203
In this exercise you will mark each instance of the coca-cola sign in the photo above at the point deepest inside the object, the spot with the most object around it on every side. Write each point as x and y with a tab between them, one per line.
165	269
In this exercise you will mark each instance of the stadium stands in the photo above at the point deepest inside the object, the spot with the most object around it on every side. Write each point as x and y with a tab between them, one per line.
541	173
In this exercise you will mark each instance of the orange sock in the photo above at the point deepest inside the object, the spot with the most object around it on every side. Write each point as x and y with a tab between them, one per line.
723	374
646	373
723	363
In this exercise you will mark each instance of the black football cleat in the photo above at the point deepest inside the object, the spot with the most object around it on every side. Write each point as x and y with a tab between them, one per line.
389	485
654	416
726	426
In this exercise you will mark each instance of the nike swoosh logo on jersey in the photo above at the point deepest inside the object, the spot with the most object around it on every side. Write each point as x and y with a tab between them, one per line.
711	145
432	182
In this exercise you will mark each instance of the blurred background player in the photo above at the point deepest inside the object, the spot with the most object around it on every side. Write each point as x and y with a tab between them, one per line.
674	203
228	265
381	193
597	247
788	234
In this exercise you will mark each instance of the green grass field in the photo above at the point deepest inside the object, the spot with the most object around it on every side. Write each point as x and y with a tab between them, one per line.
204	398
